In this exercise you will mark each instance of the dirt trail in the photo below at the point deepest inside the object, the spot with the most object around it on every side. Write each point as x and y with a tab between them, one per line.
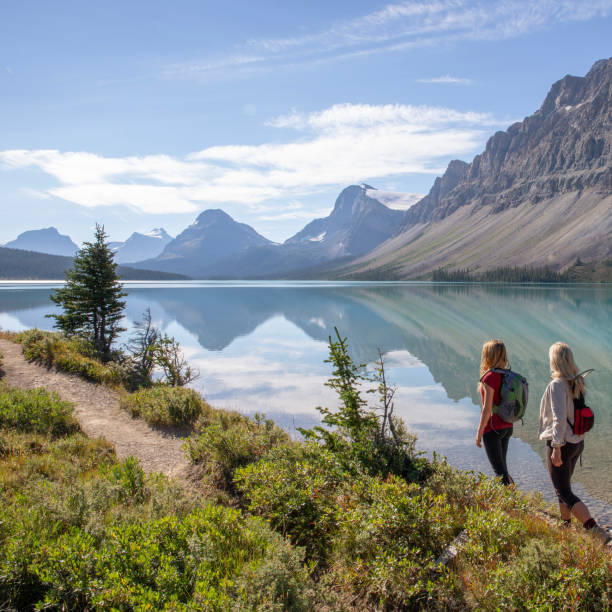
97	410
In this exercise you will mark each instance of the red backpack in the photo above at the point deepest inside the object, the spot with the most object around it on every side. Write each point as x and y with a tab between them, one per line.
584	417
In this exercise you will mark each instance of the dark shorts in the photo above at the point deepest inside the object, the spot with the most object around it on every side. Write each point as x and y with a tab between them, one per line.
562	475
496	444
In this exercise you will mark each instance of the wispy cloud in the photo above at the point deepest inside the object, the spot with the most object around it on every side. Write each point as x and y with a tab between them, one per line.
342	144
446	79
398	27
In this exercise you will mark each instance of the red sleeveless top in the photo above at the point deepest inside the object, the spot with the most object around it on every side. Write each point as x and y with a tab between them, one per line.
494	380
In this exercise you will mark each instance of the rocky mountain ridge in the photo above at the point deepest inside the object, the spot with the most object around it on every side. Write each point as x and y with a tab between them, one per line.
211	238
564	146
539	194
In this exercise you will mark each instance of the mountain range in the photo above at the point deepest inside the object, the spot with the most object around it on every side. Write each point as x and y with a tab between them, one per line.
540	194
141	246
216	246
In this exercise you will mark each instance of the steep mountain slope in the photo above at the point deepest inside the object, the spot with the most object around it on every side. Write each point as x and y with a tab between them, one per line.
47	240
540	194
213	236
141	246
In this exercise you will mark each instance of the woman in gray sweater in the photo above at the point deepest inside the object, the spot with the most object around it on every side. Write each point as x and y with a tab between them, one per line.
563	447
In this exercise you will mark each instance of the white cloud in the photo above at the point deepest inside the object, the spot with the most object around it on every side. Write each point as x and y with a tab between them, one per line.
398	27
446	79
343	144
395	200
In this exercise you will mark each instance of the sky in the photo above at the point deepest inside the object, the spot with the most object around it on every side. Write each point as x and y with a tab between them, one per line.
142	114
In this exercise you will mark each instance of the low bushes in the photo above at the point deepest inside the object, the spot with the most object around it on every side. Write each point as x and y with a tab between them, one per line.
516	562
36	411
73	355
297	489
81	531
226	441
211	559
163	406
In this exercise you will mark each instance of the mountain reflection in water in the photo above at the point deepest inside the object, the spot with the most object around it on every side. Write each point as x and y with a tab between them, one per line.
261	347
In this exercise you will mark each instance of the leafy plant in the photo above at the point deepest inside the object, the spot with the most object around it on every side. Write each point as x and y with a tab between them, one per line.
74	355
36	411
169	358
142	347
296	489
357	434
165	406
229	440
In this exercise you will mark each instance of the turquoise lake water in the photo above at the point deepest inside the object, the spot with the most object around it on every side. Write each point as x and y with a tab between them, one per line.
260	347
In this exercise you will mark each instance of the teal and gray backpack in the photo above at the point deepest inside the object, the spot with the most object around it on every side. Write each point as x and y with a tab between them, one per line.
514	394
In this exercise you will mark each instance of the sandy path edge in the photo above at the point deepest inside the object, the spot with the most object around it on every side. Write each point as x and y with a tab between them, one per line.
99	414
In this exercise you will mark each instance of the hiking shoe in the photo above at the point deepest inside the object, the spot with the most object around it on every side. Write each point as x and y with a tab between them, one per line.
600	534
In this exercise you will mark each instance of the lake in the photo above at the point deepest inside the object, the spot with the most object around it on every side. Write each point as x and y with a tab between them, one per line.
261	347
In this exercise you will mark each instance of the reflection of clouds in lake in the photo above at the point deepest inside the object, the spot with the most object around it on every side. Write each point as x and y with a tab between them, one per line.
255	384
402	359
277	370
10	322
318	321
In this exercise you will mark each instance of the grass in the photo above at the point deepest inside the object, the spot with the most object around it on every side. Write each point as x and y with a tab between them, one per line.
81	531
72	355
35	411
163	406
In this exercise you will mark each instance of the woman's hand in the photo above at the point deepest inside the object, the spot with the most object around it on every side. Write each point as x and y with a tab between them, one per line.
556	456
479	439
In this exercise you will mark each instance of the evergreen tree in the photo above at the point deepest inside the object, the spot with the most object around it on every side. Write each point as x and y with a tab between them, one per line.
91	298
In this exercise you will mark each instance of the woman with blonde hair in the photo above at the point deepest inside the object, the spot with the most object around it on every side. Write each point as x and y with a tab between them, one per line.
492	430
563	446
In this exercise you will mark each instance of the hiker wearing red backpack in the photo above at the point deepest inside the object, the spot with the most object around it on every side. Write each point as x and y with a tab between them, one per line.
564	419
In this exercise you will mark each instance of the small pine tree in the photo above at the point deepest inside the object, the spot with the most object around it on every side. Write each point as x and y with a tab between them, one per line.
91	298
358	436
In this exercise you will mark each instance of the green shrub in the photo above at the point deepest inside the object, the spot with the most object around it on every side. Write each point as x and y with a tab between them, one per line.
79	531
527	565
212	559
165	406
370	439
74	355
229	440
467	490
36	410
296	490
388	538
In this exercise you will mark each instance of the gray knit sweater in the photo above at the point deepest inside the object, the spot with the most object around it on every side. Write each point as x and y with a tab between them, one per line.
556	407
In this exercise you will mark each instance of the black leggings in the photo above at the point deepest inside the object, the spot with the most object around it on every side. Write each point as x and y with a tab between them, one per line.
562	475
496	445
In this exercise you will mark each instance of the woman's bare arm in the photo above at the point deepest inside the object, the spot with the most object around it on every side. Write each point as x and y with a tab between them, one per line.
485	414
